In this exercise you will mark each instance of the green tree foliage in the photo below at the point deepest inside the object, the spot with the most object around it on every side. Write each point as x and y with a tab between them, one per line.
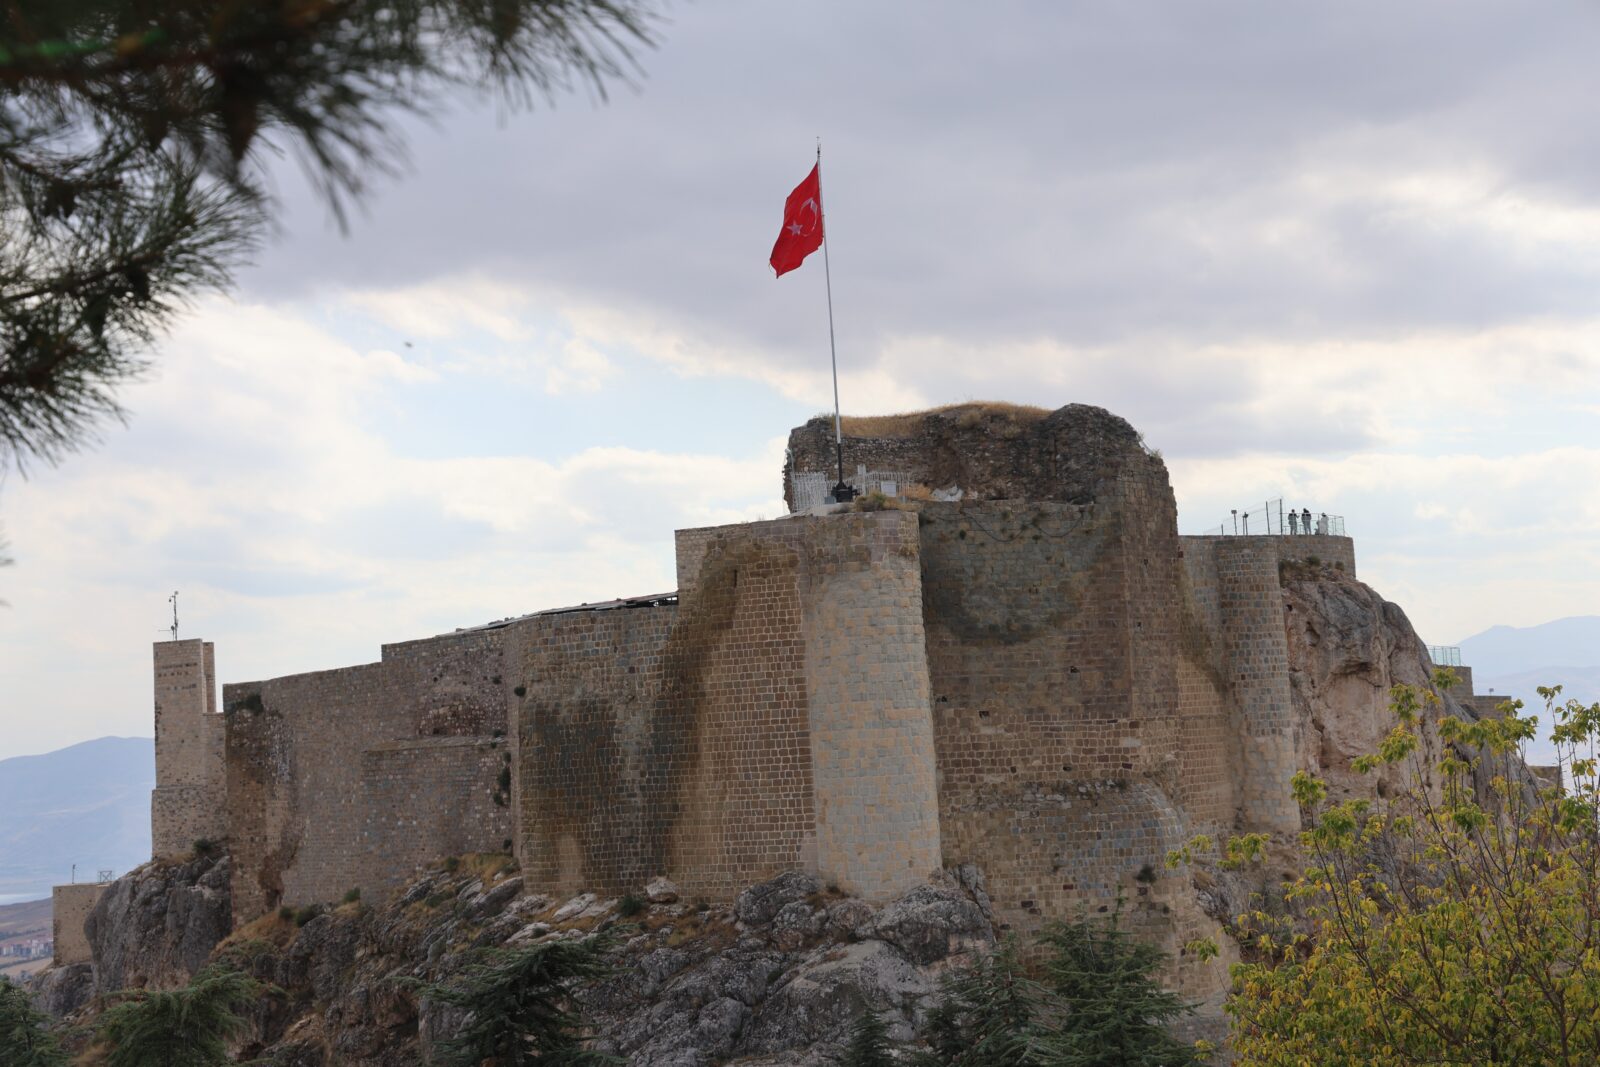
520	1007
131	133
1110	1009
987	1015
1456	923
869	1044
25	1038
188	1027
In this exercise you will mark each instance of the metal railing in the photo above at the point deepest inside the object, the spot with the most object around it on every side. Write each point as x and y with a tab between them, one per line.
812	488
1271	518
1445	655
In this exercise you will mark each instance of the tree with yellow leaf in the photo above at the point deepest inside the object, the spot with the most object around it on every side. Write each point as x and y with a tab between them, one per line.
1458	923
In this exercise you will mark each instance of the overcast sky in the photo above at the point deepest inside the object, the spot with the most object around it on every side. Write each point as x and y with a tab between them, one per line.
1343	254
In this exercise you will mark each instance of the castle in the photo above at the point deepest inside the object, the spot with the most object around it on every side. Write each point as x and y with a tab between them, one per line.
1006	657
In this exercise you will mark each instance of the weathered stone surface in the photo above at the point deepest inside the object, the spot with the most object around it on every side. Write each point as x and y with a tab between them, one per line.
156	925
761	903
982	451
661	891
930	923
60	991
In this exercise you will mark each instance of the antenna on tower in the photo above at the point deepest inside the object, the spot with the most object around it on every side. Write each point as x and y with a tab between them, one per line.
173	600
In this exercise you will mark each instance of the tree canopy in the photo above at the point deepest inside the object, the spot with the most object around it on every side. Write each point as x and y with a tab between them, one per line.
1456	923
131	139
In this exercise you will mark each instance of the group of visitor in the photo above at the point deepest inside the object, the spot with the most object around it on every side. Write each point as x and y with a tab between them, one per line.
1300	522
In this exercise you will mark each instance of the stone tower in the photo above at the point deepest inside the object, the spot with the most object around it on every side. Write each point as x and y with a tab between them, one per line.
187	803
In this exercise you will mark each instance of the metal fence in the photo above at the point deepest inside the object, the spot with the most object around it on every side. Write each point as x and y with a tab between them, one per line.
1445	655
812	488
1272	518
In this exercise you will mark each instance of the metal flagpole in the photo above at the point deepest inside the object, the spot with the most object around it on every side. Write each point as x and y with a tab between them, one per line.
841	492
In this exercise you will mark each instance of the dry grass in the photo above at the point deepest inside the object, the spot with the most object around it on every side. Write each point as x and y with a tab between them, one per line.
968	415
269	928
492	867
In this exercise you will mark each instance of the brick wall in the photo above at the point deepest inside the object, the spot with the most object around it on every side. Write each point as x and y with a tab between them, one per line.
298	797
70	905
187	801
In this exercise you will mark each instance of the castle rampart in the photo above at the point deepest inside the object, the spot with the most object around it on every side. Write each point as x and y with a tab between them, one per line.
776	719
311	783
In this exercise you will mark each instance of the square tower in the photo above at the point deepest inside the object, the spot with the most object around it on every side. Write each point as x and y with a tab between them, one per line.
187	803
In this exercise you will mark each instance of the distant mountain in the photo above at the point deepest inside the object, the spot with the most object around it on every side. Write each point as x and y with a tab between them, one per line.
1506	650
88	804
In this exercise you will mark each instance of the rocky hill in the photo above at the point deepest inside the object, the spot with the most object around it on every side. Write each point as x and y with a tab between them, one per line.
774	978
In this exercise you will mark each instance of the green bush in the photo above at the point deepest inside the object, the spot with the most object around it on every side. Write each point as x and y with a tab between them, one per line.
188	1027
518	1006
307	913
630	906
25	1037
352	896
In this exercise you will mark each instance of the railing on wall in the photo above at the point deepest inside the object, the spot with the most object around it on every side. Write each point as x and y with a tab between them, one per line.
1445	655
811	489
1272	518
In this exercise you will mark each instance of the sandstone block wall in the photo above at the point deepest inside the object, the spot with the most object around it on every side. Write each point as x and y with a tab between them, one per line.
187	803
426	798
774	720
70	905
1237	585
300	787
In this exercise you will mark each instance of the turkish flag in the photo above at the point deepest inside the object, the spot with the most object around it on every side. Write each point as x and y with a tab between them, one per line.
802	225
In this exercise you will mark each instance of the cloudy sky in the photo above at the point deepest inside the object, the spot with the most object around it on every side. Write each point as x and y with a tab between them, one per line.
1343	254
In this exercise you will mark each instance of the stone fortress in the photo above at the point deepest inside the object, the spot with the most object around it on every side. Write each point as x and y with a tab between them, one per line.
1010	660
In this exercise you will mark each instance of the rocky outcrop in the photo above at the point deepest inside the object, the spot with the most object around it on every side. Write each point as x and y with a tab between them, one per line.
981	451
775	977
156	925
59	991
1347	647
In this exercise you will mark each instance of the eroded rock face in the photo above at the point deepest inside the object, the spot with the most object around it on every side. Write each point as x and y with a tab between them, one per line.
776	978
979	451
1347	647
156	925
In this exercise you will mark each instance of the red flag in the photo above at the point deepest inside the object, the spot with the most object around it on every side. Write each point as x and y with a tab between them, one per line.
802	225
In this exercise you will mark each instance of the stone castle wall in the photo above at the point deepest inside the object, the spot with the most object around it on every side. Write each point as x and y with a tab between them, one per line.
307	770
776	719
70	905
186	804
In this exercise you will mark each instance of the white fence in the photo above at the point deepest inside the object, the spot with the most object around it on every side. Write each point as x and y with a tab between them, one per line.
811	489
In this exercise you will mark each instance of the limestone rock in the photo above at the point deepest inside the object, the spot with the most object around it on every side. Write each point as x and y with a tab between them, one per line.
59	991
761	903
156	925
661	890
930	923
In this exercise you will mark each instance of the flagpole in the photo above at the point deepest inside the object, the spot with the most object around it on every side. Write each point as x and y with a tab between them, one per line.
841	492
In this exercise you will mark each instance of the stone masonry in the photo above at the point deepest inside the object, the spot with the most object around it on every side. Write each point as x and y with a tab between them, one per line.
186	804
70	905
1022	667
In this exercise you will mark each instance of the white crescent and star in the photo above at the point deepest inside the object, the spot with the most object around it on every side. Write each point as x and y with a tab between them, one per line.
795	228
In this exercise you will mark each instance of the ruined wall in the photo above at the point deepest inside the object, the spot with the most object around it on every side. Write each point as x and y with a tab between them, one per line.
186	804
300	786
70	905
773	721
